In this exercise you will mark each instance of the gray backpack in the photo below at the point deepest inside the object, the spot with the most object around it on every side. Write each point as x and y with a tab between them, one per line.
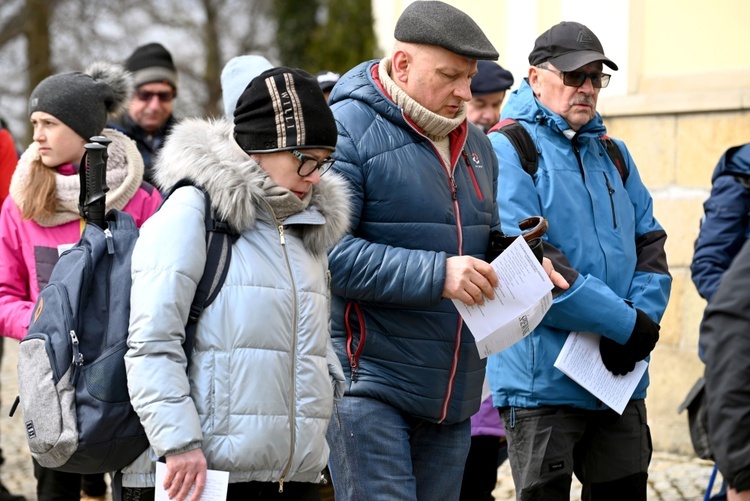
71	371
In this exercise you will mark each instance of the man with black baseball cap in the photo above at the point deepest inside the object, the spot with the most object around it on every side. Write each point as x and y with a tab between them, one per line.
423	186
605	240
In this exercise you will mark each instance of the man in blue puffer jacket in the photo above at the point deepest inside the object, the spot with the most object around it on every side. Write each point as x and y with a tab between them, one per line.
604	239
424	183
726	224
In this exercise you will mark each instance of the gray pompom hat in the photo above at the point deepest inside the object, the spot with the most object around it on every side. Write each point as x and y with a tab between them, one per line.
437	23
84	101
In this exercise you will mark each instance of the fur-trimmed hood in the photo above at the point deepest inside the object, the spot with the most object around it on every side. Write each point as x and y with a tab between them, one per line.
205	152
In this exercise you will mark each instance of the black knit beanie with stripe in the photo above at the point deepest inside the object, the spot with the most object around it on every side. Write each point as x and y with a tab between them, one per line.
283	109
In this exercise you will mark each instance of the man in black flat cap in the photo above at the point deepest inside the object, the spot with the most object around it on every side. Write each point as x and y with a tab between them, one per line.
604	239
423	184
488	88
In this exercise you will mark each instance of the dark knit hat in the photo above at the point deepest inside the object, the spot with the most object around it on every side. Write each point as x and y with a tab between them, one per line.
283	109
490	78
327	79
568	46
152	63
437	23
84	101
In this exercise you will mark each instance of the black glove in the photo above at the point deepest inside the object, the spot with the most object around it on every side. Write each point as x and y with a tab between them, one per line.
644	336
620	359
615	358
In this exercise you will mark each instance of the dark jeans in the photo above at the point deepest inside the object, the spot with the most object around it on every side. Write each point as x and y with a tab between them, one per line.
251	491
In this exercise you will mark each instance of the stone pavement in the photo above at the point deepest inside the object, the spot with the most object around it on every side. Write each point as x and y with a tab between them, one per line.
671	477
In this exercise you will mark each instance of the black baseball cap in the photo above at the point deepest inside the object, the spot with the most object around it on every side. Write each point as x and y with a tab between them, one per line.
568	46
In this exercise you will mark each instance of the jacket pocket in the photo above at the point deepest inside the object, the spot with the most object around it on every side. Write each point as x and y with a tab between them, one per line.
354	352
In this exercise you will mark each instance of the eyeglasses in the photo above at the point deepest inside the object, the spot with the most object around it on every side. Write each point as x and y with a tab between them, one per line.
308	165
577	78
146	96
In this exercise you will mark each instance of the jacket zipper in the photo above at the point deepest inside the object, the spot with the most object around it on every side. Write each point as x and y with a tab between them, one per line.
459	229
293	389
457	340
611	191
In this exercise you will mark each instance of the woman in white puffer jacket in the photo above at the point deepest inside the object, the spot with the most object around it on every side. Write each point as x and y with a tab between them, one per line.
259	392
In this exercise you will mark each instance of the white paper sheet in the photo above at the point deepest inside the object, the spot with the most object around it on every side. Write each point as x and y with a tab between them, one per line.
217	483
581	361
522	297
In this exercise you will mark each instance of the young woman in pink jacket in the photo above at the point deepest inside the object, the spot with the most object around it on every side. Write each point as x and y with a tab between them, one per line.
40	219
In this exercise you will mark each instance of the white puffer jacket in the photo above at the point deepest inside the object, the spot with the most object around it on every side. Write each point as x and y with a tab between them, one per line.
259	393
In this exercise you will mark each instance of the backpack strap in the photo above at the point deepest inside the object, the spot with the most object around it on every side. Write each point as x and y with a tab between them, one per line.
219	241
521	140
615	154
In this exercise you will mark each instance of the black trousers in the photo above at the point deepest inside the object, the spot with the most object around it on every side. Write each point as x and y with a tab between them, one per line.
242	491
52	485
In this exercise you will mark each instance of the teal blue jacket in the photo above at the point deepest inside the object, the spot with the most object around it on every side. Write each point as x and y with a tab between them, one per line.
602	236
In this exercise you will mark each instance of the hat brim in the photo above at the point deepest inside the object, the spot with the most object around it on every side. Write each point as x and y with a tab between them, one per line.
578	59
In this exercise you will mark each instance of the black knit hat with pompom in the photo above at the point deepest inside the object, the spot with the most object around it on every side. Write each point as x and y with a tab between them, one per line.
84	101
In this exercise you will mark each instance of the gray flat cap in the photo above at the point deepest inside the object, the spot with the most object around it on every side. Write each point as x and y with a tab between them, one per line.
437	23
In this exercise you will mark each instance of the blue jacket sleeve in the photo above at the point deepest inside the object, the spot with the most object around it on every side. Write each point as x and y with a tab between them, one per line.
652	283
723	230
362	270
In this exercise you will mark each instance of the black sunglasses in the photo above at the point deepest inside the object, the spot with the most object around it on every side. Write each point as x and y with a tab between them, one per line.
308	165
146	96
577	78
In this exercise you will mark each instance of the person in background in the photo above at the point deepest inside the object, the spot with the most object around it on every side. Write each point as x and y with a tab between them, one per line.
725	225
726	351
424	183
488	88
606	242
40	218
8	161
488	446
149	118
262	378
235	77
327	79
724	229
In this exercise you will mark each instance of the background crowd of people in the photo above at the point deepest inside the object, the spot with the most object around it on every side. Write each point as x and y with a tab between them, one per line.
364	203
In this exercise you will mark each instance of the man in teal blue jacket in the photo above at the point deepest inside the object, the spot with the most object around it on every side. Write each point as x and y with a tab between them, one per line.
604	239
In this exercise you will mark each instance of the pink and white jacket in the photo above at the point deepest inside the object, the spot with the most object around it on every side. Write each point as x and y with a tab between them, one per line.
29	249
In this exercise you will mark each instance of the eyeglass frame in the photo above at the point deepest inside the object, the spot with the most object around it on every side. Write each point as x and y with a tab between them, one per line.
602	77
164	96
320	165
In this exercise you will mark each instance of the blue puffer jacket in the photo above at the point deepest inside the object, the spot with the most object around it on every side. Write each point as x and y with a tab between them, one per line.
725	225
603	237
398	340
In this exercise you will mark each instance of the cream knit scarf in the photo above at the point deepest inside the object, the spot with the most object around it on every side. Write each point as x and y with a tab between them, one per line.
435	127
124	178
